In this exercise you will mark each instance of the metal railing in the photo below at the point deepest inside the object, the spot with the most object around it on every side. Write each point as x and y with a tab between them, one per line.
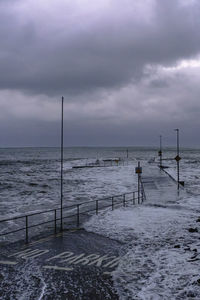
73	215
142	190
104	163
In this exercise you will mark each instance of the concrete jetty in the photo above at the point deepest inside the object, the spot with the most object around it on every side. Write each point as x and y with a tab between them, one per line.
159	187
73	264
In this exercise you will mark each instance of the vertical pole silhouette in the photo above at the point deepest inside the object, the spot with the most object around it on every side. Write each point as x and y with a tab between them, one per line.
61	170
160	153
138	171
177	157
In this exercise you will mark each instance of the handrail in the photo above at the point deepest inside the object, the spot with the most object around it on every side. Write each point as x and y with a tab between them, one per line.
64	207
28	215
113	201
142	190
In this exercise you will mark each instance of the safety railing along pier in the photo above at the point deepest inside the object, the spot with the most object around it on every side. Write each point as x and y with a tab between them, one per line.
73	216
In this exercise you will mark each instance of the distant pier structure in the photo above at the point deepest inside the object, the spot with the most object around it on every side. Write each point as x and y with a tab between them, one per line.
103	163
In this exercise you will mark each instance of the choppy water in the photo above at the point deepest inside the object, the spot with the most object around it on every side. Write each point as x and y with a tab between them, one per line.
30	181
30	177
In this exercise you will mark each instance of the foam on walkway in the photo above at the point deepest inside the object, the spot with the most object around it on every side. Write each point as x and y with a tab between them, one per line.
159	187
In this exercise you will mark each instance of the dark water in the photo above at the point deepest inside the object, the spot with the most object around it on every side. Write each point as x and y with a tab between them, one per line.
30	177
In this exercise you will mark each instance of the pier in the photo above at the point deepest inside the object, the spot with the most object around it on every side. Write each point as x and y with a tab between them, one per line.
160	188
77	263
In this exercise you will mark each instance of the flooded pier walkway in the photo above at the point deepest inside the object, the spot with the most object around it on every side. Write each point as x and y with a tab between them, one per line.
73	264
159	187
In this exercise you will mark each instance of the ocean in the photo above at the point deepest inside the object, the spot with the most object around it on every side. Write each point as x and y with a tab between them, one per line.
30	177
159	247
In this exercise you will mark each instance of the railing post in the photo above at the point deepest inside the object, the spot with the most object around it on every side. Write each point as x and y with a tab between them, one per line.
138	188
142	189
133	198
112	203
26	229
78	215
55	221
124	203
138	171
97	207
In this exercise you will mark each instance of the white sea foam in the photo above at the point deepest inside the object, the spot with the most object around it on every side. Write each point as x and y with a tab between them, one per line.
160	256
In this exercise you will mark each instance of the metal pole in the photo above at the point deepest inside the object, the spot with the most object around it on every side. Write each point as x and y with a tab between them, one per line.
61	173
177	139
138	184
160	151
178	171
127	153
141	191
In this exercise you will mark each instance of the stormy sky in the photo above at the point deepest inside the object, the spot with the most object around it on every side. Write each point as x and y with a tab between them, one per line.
129	70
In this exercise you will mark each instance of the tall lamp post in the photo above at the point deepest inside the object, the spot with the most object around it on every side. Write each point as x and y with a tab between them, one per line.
61	169
160	151
177	158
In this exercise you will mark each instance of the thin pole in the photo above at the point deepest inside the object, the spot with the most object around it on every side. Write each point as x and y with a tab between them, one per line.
61	170
138	184
160	151
178	171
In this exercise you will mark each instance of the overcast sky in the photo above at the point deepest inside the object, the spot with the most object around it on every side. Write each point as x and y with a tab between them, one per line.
129	70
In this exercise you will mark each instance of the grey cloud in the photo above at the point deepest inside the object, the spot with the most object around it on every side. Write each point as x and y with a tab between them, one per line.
106	53
109	66
157	83
133	115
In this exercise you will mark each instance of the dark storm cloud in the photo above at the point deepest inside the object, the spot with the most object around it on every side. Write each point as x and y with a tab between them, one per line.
67	54
119	65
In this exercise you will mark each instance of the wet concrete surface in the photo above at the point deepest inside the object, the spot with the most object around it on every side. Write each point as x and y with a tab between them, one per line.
74	264
160	188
